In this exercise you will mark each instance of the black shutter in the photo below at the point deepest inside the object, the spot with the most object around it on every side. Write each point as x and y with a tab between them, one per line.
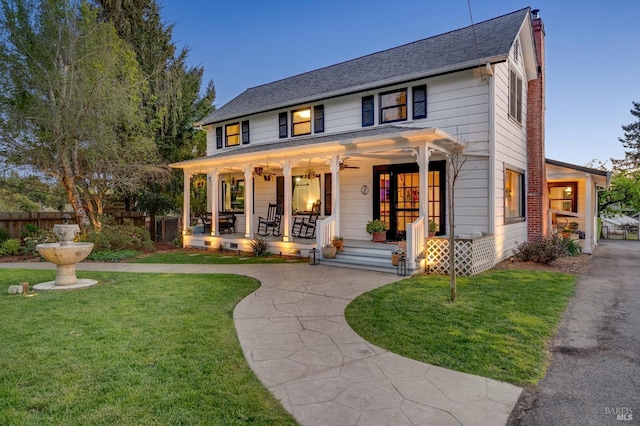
245	132
219	137
420	102
282	125
280	190
318	119
327	194
367	111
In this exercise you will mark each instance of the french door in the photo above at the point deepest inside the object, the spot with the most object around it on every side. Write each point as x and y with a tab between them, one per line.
397	196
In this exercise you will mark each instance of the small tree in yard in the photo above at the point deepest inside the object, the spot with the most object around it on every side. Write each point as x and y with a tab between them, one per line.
454	166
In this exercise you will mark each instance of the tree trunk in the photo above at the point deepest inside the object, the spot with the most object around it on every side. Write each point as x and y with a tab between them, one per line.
452	241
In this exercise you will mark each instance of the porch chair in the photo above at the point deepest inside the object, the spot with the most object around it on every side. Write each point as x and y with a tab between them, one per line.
272	221
226	222
305	227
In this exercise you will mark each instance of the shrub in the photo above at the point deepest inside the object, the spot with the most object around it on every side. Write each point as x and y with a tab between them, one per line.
4	235
544	250
259	247
118	237
11	247
33	235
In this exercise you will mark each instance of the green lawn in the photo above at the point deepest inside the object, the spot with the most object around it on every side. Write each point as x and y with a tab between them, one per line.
137	349
212	258
499	326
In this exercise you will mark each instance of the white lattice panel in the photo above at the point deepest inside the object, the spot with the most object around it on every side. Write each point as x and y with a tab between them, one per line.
472	256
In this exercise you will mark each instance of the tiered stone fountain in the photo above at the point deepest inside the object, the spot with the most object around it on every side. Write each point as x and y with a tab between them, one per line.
65	254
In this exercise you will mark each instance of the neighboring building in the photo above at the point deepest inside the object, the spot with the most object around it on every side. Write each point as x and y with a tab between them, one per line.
379	136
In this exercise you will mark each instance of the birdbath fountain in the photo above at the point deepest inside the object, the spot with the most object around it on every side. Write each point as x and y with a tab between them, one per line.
65	254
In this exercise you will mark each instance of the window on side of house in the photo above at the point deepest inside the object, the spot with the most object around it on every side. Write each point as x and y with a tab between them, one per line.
515	96
393	106
245	132
232	134
367	111
233	196
420	102
219	137
301	122
283	129
514	197
318	119
563	196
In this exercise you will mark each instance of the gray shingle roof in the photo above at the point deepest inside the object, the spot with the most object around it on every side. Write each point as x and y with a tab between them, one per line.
442	53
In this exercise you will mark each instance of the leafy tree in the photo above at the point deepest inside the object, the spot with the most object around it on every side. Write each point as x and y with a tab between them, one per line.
29	193
70	102
623	193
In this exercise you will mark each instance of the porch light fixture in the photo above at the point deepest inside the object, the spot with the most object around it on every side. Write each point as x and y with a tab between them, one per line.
313	257
402	266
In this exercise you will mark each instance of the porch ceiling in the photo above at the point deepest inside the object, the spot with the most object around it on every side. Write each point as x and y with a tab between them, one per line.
387	142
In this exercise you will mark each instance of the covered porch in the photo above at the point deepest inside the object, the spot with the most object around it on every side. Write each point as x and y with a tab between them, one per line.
339	172
573	200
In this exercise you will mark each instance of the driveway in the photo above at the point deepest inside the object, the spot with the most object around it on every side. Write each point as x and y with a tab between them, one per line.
594	377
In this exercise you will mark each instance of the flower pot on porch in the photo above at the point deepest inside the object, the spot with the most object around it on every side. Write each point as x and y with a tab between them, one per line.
379	237
338	244
432	234
329	252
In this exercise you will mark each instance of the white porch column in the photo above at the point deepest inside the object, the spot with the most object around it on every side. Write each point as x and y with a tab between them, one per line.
215	200
186	202
335	191
248	201
285	228
590	216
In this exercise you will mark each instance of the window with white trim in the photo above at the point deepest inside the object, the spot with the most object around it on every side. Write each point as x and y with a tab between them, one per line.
514	201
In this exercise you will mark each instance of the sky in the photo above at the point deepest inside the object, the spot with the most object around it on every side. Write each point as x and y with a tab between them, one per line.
592	51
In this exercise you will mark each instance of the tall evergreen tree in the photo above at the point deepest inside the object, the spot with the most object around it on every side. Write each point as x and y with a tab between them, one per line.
174	100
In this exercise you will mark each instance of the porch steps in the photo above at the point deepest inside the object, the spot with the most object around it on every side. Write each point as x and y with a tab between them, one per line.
368	257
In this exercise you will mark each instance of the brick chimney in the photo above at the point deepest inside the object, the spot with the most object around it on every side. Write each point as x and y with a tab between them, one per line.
537	192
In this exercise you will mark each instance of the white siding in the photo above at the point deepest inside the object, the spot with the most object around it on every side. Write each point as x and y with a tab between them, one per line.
510	150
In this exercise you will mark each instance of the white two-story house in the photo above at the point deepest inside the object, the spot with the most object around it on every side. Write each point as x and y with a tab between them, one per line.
381	137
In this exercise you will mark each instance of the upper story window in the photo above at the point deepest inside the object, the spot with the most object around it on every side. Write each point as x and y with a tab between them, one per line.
563	196
393	106
301	122
232	134
515	96
514	201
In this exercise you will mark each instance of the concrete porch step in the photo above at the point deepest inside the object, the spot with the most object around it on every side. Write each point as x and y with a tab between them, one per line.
365	256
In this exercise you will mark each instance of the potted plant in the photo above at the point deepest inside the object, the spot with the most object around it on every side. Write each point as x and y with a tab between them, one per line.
396	255
433	228
574	227
338	242
378	229
329	251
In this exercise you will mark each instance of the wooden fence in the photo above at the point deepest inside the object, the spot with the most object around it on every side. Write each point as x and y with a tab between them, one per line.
15	223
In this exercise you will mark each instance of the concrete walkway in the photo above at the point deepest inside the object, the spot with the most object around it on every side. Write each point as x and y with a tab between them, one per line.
295	338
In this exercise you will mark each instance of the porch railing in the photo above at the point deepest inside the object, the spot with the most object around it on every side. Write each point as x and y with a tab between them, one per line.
415	242
325	230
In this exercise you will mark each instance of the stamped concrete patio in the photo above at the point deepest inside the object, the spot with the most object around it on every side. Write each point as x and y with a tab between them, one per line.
295	337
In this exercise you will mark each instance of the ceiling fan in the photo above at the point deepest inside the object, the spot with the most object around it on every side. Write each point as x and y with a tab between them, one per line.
344	165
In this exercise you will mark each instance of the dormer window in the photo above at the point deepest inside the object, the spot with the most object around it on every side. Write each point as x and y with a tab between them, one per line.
301	122
232	134
393	106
